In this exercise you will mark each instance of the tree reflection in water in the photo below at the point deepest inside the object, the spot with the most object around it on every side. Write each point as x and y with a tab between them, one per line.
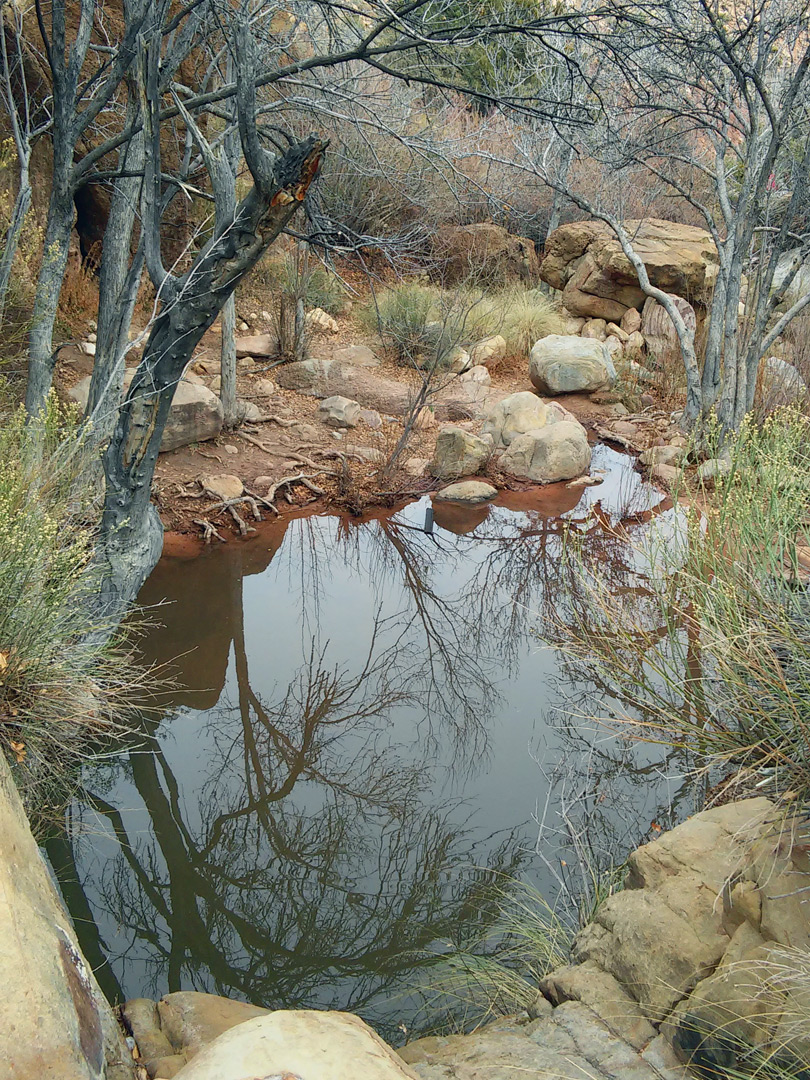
341	768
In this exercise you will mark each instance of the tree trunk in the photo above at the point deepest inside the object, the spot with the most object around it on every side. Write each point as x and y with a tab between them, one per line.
227	386
131	533
46	301
22	205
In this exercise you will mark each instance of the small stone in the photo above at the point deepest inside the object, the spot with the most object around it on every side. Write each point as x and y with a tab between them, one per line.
424	420
262	483
320	320
488	351
710	470
338	411
88	348
477	375
92	324
264	388
619	409
372	454
243	326
253	317
223	486
92	338
663	455
416	466
606	397
251	413
337	434
459	361
624	428
470	491
229	448
594	328
244	365
616	331
266	317
665	474
372	418
585	481
631	320
647	400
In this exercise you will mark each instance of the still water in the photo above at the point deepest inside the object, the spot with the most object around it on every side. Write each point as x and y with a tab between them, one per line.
363	722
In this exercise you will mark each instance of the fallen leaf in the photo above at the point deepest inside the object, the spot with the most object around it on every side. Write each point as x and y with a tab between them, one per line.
19	750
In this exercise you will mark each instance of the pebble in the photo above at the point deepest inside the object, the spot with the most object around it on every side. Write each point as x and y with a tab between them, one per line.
229	449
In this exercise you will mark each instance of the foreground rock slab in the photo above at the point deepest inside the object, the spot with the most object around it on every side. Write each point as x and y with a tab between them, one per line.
54	1021
305	1044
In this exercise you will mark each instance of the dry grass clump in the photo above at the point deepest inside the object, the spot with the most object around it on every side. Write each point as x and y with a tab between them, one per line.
58	686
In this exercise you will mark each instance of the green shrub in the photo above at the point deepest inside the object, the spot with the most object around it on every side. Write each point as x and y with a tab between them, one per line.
521	316
56	688
298	274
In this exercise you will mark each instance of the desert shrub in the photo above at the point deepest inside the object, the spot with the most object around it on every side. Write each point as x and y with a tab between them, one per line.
300	274
59	686
423	324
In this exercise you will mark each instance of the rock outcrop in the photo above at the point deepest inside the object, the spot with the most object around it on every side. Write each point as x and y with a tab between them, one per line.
659	333
485	252
585	260
559	364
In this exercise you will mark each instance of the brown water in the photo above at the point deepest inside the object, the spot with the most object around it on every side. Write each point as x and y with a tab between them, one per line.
363	724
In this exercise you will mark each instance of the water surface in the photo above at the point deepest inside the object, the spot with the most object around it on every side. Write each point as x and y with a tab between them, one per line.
364	725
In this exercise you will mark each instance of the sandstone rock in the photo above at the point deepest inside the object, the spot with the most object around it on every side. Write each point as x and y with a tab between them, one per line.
208	367
478	374
256	345
249	412
572	324
558	451
489	351
595	328
514	415
659	333
54	1021
635	344
307	376
459	453
459	361
586	261
416	466
195	414
468	491
486	251
619	409
88	348
264	388
665	474
372	454
371	418
356	356
614	348
714	469
339	412
631	321
662	455
321	321
425	419
616	331
561	365
223	486
305	1044
244	365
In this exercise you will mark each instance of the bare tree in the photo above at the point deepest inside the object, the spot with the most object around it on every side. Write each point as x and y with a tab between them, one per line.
714	107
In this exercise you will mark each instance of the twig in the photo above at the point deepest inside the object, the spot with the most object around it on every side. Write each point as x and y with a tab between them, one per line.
208	530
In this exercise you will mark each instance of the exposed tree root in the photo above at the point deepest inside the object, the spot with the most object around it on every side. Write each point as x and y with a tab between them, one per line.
209	531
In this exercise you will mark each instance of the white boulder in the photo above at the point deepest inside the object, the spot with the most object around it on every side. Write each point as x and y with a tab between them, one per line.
339	412
459	453
570	365
558	451
514	415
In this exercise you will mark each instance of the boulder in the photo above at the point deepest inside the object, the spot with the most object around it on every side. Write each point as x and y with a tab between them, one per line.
488	351
631	321
339	412
458	361
616	331
223	486
714	469
305	1044
585	260
356	356
264	388
558	451
614	347
659	333
634	346
468	491
799	286
459	453
514	415
665	474
195	414
486	252
305	376
562	365
416	466
256	345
